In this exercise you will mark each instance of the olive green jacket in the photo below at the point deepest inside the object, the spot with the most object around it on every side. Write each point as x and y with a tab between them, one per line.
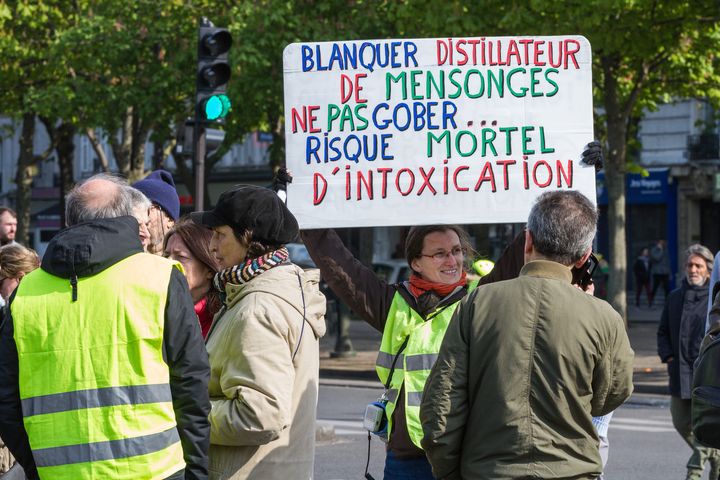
524	366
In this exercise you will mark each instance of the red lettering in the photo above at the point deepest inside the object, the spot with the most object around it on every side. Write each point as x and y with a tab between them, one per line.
361	180
461	50
535	174
358	88
563	174
441	52
426	180
312	118
570	53
345	94
347	182
538	52
297	119
526	183
455	176
412	181
317	199
505	164
384	172
487	175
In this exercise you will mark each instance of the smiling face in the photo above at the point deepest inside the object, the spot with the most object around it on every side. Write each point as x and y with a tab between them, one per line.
226	248
441	259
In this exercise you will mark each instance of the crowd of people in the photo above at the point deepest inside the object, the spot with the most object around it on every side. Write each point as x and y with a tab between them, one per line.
146	344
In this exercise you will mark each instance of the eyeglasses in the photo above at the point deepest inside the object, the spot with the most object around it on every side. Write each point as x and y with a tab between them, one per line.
457	252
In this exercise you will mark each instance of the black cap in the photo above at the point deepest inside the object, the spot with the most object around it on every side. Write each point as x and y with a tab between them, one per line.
249	207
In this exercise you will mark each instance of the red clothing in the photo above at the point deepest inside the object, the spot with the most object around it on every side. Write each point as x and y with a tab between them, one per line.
204	315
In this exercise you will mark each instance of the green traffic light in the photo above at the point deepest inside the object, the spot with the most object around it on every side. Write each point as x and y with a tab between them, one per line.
217	107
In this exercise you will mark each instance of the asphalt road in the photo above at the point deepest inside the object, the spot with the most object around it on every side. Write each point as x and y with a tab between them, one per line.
643	443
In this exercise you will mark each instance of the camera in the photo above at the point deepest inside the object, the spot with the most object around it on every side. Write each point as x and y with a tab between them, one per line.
375	418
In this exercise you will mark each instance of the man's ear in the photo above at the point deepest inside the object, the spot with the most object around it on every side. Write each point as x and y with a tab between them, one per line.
529	246
584	258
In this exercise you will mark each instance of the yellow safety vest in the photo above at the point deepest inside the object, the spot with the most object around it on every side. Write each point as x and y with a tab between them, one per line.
94	387
413	365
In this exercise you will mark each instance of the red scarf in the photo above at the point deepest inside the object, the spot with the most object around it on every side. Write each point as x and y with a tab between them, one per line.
204	315
419	285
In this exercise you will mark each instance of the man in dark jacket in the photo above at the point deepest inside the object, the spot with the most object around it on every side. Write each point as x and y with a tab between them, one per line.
519	377
681	330
104	371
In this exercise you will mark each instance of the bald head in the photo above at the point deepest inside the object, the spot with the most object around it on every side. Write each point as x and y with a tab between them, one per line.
100	196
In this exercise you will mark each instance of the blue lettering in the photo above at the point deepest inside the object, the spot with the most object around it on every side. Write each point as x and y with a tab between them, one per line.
307	60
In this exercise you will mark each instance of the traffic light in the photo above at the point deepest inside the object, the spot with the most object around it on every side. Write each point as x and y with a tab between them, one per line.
213	73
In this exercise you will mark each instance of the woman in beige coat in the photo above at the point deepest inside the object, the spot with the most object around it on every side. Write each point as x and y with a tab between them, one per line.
263	344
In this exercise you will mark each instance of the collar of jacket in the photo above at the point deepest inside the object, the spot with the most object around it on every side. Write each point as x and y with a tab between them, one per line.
88	248
547	269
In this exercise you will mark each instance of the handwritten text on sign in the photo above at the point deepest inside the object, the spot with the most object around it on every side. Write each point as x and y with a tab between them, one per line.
404	132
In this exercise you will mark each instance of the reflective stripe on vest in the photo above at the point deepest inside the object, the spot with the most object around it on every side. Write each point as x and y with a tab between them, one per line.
94	387
415	362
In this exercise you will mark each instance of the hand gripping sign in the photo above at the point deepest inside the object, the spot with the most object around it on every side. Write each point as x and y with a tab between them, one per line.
451	130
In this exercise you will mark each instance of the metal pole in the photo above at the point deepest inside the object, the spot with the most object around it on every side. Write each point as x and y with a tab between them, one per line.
199	137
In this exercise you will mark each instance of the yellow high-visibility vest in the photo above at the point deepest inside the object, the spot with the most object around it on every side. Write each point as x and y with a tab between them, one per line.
94	387
414	363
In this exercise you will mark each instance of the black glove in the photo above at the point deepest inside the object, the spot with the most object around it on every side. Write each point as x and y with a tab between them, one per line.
281	179
593	155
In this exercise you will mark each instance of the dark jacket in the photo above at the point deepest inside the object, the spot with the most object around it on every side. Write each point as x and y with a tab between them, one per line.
681	330
370	298
641	269
87	249
519	374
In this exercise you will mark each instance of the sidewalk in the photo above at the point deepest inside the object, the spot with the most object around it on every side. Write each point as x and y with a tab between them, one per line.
650	375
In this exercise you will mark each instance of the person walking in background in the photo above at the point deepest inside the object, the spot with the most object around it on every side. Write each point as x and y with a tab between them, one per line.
264	346
492	408
104	371
8	225
189	244
681	330
159	188
660	268
641	270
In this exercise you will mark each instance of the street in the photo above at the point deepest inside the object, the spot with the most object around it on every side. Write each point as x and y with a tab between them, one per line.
643	443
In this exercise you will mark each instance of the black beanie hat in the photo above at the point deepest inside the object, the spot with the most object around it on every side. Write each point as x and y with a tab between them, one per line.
159	188
249	207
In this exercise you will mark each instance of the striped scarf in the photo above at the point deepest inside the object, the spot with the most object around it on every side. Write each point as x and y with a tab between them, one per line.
251	268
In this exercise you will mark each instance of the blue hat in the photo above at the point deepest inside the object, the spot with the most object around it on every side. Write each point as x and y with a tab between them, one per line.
159	187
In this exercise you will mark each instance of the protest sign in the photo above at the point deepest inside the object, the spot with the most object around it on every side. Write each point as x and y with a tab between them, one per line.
452	130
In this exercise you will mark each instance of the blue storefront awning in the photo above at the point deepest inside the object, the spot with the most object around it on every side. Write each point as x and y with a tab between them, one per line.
653	189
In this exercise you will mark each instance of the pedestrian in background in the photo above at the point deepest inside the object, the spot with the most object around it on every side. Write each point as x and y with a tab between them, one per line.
264	345
159	188
189	244
679	335
492	408
104	372
8	225
660	269
641	270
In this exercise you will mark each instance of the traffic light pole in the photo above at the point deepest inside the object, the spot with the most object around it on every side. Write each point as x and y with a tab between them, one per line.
199	141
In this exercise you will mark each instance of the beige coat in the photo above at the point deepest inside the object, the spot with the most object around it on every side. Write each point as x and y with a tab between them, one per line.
263	401
524	366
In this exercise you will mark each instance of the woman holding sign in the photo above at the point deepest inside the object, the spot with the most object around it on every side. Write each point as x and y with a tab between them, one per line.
413	317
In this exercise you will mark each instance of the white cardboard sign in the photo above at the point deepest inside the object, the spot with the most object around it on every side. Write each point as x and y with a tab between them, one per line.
451	130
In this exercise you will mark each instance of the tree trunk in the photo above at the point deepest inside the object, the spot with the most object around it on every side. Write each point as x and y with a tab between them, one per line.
66	155
615	184
26	171
122	148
